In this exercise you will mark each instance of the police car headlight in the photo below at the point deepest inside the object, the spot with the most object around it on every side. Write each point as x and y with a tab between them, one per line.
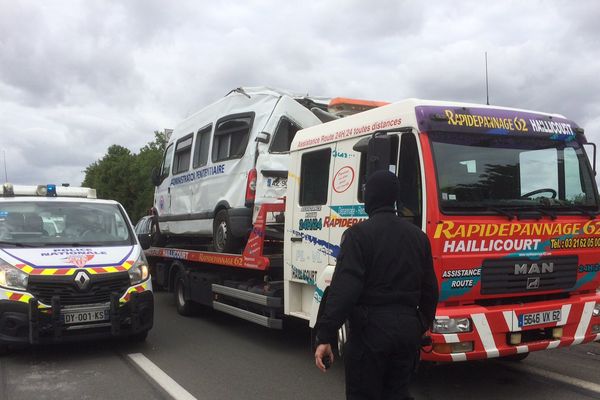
11	277
451	325
139	271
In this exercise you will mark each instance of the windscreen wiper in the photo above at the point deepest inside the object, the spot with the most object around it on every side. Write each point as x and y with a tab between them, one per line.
546	212
501	211
586	212
2	242
533	208
80	244
565	205
583	211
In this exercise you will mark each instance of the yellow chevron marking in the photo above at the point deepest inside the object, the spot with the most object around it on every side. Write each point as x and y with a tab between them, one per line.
27	269
49	271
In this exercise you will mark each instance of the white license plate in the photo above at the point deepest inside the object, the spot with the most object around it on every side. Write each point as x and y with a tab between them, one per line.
83	316
538	318
277	182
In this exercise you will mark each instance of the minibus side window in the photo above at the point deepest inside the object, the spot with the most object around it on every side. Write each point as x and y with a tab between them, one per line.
231	137
183	151
202	146
282	139
314	177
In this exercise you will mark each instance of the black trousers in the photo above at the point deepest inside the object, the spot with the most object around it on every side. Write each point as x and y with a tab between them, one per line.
381	354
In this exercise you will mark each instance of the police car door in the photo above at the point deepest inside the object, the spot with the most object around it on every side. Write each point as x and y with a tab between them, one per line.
273	145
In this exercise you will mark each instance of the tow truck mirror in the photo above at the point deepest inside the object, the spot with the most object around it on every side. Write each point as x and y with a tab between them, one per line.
145	240
155	176
590	149
362	146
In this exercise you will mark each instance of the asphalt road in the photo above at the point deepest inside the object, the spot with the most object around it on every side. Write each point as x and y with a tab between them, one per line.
215	356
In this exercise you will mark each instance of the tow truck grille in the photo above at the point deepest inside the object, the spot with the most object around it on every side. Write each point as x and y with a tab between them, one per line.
519	275
98	291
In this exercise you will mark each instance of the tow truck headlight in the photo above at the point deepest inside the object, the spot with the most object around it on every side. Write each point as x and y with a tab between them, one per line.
451	325
11	277
596	312
139	271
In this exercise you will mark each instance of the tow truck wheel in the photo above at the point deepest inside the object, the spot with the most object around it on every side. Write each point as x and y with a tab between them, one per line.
184	306
515	357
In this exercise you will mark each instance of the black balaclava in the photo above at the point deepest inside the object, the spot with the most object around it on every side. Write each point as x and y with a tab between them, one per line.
381	191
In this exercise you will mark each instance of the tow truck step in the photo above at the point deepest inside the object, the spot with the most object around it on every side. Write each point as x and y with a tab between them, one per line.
267	301
274	323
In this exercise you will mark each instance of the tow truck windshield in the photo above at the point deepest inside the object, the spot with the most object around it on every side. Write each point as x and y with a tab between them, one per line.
503	174
51	224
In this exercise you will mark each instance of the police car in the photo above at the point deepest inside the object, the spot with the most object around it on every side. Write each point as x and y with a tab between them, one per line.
70	267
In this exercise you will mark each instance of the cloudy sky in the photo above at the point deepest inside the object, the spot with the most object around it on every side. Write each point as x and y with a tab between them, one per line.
78	76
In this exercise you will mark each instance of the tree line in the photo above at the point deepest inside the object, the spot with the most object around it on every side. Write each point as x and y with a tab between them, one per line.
125	176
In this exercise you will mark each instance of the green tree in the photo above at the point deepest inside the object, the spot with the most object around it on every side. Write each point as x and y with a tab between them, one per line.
125	177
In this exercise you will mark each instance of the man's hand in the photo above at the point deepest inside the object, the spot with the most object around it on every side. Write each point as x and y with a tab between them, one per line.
323	350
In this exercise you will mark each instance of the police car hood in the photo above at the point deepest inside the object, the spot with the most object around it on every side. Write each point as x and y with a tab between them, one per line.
71	257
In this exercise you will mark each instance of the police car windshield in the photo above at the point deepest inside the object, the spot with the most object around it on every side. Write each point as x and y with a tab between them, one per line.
49	224
486	172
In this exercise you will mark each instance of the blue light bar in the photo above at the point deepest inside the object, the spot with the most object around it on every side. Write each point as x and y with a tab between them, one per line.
51	190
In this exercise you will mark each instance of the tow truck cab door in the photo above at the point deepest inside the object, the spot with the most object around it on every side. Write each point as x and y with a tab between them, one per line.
307	209
273	145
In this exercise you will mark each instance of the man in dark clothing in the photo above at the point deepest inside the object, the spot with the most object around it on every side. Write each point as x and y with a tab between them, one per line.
385	286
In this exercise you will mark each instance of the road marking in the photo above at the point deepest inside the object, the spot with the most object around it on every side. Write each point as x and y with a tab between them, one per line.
580	383
163	380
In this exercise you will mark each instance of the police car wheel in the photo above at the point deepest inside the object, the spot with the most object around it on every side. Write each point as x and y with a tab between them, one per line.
223	239
184	306
139	337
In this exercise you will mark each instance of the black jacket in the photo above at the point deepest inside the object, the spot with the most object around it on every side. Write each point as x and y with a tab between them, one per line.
383	261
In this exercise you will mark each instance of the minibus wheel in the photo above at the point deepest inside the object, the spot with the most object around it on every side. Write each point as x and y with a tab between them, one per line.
223	239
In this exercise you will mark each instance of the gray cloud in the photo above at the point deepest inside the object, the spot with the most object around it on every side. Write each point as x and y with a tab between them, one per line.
78	76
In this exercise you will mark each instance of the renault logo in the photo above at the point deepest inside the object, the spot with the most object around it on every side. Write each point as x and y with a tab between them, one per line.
82	280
